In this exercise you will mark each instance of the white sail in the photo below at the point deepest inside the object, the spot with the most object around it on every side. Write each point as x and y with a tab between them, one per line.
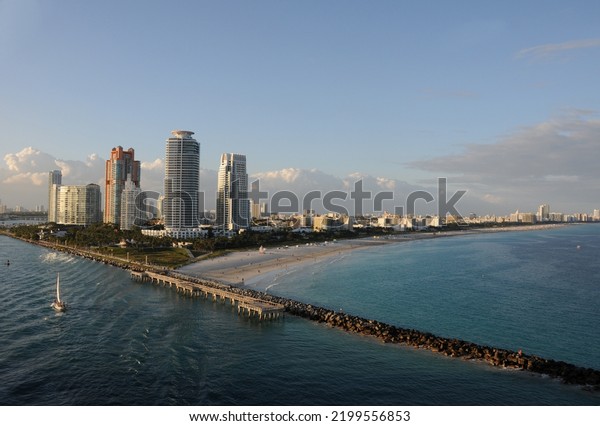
57	304
58	288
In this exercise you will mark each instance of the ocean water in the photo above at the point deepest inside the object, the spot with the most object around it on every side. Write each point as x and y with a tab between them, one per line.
538	291
125	343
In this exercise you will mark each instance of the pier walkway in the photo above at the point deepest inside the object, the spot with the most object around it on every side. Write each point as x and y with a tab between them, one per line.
246	305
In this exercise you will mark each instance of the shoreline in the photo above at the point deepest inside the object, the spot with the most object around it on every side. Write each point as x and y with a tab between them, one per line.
250	268
255	269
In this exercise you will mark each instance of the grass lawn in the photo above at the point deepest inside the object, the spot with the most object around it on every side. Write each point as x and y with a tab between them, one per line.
167	257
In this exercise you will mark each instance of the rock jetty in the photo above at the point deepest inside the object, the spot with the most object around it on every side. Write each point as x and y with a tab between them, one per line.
498	357
568	373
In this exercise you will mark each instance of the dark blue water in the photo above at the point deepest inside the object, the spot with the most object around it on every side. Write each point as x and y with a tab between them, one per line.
124	343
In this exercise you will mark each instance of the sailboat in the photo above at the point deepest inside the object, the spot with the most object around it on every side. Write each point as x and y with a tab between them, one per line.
58	305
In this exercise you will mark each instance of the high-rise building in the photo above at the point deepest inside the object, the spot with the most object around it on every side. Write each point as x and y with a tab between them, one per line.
233	205
543	214
182	181
54	182
132	210
120	168
79	204
258	210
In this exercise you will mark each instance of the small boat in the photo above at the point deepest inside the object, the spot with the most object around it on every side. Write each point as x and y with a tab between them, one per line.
58	304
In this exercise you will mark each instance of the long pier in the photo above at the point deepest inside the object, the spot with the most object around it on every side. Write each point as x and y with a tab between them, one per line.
246	305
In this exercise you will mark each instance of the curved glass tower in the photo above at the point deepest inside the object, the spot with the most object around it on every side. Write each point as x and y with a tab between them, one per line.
182	181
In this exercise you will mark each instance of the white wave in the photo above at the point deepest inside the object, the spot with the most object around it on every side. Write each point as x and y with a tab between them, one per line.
337	259
269	287
54	257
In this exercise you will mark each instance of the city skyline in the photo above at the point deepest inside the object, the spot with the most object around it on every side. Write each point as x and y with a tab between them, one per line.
301	182
500	101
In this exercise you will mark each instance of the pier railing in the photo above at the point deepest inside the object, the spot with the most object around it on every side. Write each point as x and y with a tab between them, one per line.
246	305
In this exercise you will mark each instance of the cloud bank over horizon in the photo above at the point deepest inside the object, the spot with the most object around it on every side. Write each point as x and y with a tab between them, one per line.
24	180
554	162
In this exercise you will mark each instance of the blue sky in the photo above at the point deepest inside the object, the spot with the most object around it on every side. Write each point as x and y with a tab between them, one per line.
396	90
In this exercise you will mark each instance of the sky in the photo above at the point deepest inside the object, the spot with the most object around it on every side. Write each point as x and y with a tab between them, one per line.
500	98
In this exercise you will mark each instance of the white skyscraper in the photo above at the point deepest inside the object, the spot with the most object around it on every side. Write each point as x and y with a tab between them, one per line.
543	213
54	182
131	208
182	181
79	204
233	205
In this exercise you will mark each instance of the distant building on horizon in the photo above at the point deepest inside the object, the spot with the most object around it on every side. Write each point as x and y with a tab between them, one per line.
182	181
233	205
120	168
543	214
54	182
79	204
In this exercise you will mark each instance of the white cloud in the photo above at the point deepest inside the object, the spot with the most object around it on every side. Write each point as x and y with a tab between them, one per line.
157	164
553	161
302	181
77	172
288	175
386	183
293	178
28	160
24	176
36	179
548	50
152	175
493	199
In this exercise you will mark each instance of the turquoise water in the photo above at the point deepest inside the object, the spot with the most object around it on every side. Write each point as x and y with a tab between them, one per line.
535	290
124	343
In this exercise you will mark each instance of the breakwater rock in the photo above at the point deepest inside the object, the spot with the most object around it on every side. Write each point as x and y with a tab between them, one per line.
568	373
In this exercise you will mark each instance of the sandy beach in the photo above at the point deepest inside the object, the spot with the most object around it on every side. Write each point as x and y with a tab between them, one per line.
250	267
256	268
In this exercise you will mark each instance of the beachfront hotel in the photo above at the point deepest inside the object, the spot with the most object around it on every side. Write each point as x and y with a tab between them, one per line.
120	168
233	205
182	182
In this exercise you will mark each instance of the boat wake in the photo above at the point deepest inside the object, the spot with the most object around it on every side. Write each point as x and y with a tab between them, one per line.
54	257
